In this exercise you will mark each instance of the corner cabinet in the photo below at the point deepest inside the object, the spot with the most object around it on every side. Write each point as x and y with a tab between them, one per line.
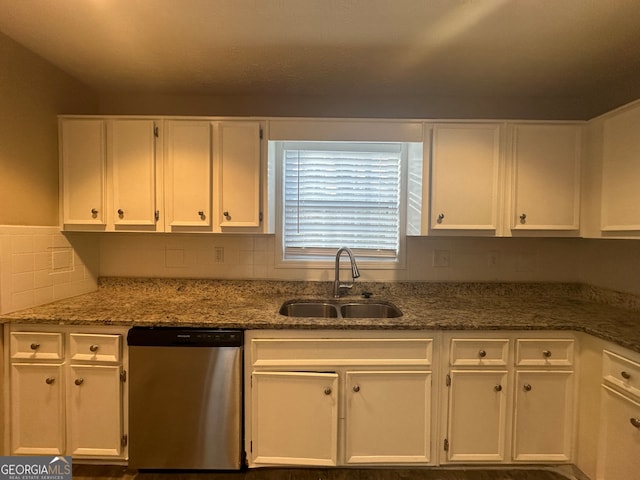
465	184
67	392
339	398
546	177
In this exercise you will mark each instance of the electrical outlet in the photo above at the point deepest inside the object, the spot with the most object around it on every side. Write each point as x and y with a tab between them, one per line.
441	258
219	254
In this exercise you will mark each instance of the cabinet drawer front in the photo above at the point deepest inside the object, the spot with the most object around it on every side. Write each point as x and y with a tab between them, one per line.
280	352
621	372
479	352
95	348
544	352
36	346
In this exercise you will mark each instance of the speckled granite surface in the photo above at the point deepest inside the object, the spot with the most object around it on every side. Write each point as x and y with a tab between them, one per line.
442	306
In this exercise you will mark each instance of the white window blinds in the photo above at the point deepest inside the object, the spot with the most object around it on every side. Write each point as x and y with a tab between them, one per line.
341	194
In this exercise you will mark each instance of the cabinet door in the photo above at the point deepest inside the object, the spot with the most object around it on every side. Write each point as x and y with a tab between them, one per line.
543	423
238	153
465	165
477	416
294	418
618	457
83	172
95	411
188	173
620	172
388	417
546	177
37	409
132	152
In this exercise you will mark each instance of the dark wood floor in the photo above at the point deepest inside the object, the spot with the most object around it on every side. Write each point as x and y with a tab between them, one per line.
86	472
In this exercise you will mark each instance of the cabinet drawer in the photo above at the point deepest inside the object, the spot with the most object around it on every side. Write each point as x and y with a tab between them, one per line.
544	352
88	347
479	352
621	372
281	352
36	346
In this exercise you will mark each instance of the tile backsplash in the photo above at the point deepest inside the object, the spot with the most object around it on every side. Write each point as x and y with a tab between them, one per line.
40	265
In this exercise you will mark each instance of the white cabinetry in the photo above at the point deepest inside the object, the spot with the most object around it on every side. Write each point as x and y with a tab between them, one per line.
488	411
620	172
340	399
238	160
67	392
619	419
465	184
109	171
546	177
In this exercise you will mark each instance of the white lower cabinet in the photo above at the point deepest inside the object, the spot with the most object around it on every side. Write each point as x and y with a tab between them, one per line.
336	401
67	392
509	394
295	418
476	424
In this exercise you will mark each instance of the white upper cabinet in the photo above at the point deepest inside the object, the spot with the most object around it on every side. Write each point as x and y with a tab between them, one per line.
465	177
188	174
546	177
83	173
238	161
621	171
131	152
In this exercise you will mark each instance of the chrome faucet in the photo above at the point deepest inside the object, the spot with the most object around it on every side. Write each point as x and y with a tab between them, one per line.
354	272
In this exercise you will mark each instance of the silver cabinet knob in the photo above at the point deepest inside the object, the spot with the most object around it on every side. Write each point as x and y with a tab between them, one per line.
226	215
526	387
625	375
327	391
523	218
356	388
635	422
546	353
35	346
94	211
201	214
79	381
482	353
498	388
94	348
440	217
50	380
120	212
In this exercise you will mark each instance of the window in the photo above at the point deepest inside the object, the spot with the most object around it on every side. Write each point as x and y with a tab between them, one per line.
337	194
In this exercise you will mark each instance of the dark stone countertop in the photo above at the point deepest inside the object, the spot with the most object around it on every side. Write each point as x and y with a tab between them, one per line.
249	304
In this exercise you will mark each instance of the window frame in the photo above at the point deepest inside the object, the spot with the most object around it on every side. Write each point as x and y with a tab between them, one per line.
324	262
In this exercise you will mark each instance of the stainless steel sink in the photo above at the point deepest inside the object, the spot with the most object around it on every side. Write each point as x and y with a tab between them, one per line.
300	308
369	310
335	309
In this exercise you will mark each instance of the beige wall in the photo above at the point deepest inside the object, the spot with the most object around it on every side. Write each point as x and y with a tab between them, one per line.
33	92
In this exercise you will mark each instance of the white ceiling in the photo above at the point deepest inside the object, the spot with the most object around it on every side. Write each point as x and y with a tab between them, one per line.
584	49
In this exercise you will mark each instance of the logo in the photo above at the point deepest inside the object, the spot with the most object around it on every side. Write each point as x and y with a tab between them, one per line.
35	468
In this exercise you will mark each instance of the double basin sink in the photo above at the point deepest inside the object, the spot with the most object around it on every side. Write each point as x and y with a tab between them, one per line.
337	309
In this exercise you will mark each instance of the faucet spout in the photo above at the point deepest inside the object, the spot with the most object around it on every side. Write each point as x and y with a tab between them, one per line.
355	273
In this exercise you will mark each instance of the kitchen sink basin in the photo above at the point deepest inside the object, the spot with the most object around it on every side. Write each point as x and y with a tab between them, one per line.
369	310
336	309
299	308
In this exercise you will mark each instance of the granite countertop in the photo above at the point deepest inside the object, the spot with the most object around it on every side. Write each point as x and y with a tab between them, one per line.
426	306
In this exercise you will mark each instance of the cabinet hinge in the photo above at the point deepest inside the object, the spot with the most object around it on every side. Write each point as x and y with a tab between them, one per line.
157	215
156	131
251	446
261	134
124	440
123	376
448	380
446	445
260	217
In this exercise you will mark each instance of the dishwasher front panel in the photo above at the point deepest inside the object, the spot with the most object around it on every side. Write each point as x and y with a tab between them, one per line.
185	407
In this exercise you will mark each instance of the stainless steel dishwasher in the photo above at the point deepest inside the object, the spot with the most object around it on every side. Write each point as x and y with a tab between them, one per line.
185	398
